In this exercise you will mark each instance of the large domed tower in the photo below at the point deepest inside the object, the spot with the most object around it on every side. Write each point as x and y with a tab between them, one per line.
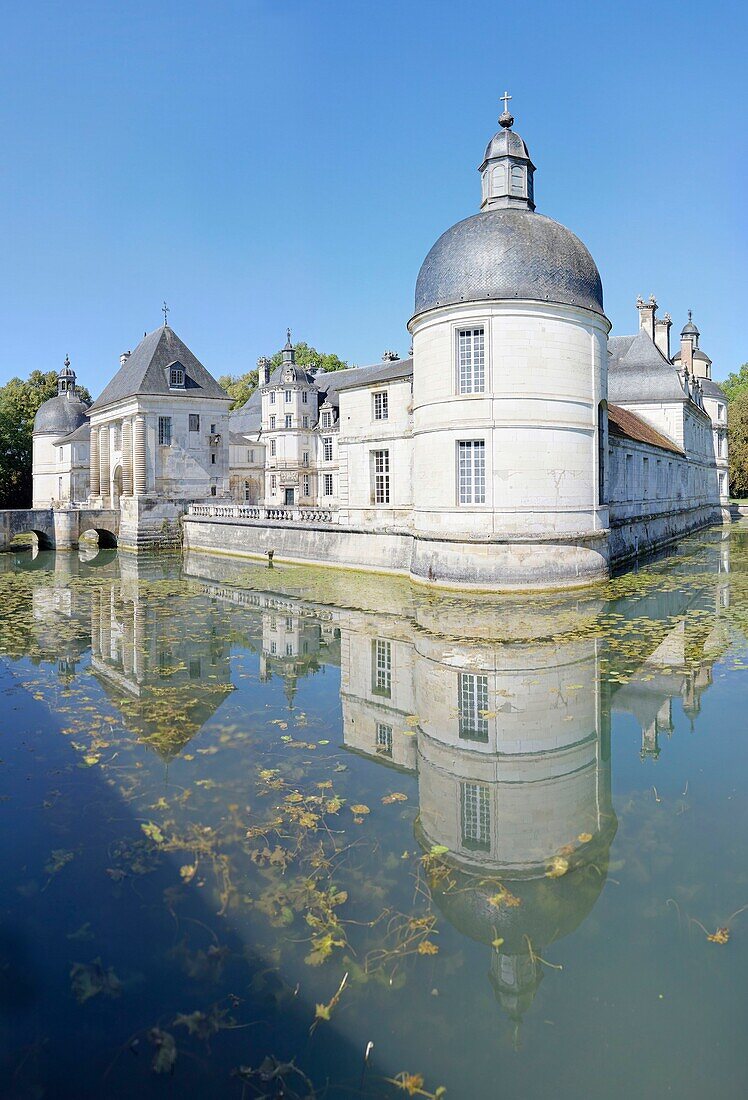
509	389
55	420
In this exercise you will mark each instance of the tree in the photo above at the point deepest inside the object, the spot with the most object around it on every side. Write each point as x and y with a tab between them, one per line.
736	383
19	401
241	386
738	428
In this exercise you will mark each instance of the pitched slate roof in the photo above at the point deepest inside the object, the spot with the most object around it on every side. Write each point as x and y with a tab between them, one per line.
330	384
638	371
711	389
627	425
145	371
80	435
248	418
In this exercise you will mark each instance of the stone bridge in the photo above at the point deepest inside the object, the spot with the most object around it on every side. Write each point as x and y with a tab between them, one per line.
58	528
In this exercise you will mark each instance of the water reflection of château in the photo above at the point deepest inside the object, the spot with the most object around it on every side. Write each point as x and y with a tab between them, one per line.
502	710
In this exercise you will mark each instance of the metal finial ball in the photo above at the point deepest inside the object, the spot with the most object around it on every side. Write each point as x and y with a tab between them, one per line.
506	120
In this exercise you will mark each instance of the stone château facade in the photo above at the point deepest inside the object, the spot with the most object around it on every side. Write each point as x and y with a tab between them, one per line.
519	447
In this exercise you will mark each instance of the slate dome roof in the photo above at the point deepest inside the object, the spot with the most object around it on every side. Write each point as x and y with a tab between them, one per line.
508	254
506	143
60	414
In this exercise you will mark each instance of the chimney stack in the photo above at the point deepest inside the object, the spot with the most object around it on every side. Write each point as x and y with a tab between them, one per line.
124	357
686	354
662	334
263	370
647	311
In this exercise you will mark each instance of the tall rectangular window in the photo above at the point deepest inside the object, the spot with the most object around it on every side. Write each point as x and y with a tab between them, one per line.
272	448
327	485
272	397
326	419
327	448
305	421
472	705
381	406
305	458
381	657
272	423
471	361
194	422
272	483
164	431
384	739
288	397
476	816
381	476
288	420
305	398
305	484
645	476
471	471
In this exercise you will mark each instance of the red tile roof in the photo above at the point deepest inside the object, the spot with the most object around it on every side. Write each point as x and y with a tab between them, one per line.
628	425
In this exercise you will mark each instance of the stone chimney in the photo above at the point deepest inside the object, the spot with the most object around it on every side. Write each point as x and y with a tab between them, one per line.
390	357
686	354
647	311
124	357
263	370
662	334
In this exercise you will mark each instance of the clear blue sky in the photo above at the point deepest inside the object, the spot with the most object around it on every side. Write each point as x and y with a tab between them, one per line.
287	162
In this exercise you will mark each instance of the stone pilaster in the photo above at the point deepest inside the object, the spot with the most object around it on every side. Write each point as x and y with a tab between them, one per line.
104	472
94	479
127	471
139	459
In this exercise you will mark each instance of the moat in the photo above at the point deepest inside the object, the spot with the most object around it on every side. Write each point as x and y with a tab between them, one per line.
297	832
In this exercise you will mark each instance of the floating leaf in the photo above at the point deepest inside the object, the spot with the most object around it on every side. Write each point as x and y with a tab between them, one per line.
722	935
557	867
426	947
153	832
584	838
360	809
395	797
58	859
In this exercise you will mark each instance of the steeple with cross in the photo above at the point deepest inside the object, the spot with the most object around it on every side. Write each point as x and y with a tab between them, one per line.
507	171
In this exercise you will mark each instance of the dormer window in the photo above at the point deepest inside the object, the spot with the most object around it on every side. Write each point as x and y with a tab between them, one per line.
176	376
326	419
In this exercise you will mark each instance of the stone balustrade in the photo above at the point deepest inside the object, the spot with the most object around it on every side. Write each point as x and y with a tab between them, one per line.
255	512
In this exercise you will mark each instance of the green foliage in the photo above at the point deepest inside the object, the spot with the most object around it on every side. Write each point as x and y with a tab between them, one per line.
240	387
736	383
738	427
310	357
19	401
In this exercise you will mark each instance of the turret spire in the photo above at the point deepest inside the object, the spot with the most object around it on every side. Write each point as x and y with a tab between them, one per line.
507	171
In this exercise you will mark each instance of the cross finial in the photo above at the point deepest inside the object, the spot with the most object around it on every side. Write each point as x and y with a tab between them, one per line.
689	315
505	118
165	310
67	360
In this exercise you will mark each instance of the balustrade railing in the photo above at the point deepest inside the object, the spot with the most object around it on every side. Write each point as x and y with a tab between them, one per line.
260	512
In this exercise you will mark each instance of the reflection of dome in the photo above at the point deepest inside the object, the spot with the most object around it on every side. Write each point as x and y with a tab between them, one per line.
508	254
540	911
60	415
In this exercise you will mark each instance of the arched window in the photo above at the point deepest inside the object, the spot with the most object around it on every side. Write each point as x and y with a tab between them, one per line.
518	180
498	180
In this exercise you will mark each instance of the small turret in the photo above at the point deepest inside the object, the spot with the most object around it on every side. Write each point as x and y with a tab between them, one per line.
507	172
289	352
66	380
